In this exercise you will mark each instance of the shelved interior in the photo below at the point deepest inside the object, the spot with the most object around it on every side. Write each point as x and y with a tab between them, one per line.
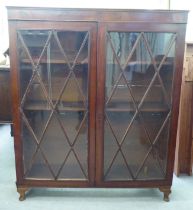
54	73
139	76
54	78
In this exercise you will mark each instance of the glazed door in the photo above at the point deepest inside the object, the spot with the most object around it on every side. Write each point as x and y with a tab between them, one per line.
57	102
134	112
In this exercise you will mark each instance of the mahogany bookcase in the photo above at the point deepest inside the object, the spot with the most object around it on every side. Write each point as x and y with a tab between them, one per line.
95	95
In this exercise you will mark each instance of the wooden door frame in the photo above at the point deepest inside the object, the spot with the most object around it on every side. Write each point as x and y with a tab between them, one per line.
101	62
91	27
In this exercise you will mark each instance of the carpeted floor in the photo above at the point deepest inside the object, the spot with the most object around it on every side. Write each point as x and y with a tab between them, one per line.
83	199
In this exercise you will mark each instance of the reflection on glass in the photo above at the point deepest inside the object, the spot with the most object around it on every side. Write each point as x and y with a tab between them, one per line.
139	75
54	103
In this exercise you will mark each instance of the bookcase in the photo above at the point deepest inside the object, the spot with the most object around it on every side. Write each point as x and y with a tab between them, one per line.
95	96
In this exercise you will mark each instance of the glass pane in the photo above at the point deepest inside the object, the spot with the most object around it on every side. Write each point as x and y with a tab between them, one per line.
75	124
139	76
54	139
54	103
39	169
155	164
29	147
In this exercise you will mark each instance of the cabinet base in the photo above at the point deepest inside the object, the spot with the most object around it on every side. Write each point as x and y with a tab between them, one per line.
22	191
166	191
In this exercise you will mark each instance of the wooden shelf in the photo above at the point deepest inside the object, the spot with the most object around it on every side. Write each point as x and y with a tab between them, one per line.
146	107
84	60
41	106
59	59
113	107
53	61
134	63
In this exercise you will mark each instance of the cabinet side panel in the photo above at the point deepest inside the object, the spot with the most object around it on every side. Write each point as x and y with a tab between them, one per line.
15	87
180	45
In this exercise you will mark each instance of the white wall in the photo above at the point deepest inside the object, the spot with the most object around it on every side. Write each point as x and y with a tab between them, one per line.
146	4
130	4
3	28
185	5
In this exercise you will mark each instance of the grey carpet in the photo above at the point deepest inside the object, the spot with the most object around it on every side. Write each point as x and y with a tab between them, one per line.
79	199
